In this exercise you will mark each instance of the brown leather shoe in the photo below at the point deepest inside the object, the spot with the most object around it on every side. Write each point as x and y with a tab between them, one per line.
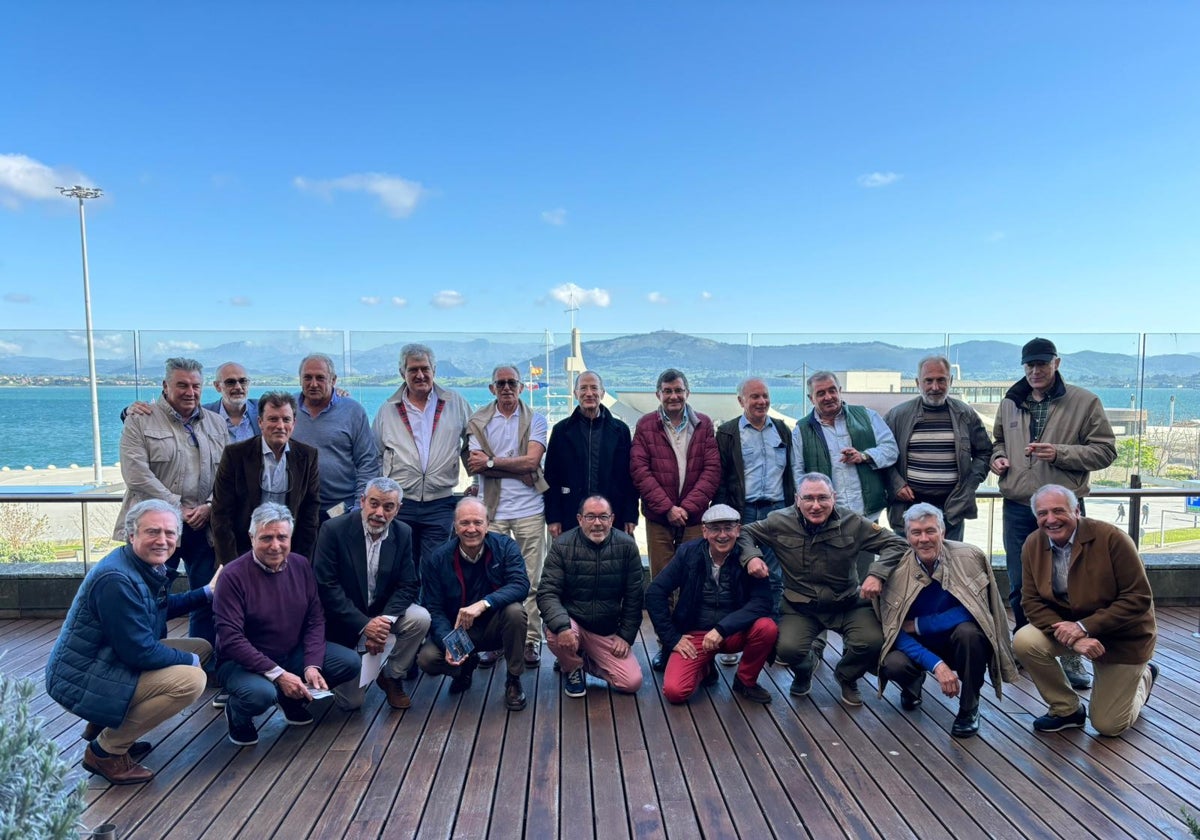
394	690
117	769
533	654
514	694
137	749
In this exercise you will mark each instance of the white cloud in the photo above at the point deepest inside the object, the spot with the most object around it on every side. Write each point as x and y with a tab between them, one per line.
24	179
398	196
706	296
556	217
370	300
448	299
164	347
571	294
315	332
18	297
657	297
7	348
878	179
399	301
114	343
239	300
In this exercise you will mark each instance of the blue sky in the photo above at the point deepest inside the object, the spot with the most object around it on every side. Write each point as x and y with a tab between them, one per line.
814	168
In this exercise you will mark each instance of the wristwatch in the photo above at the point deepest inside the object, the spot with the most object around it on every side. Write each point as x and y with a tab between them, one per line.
491	463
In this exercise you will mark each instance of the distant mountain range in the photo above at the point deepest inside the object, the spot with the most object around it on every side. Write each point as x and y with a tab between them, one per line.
634	360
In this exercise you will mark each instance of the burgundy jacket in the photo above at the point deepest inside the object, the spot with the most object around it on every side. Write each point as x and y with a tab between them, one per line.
655	471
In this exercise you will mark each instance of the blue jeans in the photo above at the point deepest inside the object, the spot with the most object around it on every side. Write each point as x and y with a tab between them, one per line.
430	522
753	512
252	694
1019	523
201	562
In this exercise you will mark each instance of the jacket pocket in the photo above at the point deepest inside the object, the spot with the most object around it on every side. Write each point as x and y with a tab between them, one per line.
161	446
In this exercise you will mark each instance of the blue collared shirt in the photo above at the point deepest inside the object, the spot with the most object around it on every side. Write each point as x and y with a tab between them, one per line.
764	458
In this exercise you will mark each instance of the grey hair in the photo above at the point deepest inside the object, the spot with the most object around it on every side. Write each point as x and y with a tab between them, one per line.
820	376
589	372
818	477
384	485
465	501
134	515
923	510
741	388
268	513
941	360
179	363
317	357
499	368
1072	499
670	375
418	351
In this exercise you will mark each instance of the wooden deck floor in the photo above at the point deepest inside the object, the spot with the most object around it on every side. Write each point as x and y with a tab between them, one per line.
633	766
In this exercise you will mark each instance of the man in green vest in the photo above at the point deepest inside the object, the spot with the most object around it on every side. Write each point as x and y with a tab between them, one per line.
849	443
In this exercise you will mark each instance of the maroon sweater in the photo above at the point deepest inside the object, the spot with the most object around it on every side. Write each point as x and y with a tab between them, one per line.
655	471
263	617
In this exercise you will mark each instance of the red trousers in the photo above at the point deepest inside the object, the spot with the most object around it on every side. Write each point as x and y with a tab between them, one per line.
683	675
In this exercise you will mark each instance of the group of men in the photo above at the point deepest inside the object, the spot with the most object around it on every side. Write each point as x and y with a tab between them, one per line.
324	552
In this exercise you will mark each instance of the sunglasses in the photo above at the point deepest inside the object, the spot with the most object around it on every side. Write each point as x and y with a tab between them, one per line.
229	383
506	383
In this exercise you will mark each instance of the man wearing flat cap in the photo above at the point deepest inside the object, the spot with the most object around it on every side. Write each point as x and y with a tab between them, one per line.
720	608
1046	432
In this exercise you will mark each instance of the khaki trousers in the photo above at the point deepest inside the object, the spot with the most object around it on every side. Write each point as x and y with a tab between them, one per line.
529	533
1119	693
159	695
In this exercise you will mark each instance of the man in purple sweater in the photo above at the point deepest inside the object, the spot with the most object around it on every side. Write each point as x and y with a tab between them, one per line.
271	631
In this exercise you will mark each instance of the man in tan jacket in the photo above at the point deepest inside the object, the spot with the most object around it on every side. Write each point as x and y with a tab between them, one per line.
942	612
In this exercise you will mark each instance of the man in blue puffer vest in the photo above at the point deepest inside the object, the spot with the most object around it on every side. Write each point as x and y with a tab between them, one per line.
112	664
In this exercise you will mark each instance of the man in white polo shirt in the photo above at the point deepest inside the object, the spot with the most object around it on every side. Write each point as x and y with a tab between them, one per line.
507	441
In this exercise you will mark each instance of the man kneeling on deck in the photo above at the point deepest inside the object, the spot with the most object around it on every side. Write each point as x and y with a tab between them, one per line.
112	664
475	583
1085	591
590	598
941	612
271	631
720	609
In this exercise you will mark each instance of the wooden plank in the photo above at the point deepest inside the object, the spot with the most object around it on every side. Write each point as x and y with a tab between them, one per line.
542	809
610	810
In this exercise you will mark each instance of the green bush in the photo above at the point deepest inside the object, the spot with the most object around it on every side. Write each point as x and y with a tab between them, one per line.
37	802
34	552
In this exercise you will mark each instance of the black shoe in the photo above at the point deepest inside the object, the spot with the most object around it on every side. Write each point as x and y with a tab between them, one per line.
801	684
137	750
908	700
710	676
851	696
242	734
966	723
754	693
487	658
1055	723
220	699
462	681
659	662
514	694
294	712
1153	679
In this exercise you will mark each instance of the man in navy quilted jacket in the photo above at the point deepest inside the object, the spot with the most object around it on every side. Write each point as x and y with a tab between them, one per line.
112	664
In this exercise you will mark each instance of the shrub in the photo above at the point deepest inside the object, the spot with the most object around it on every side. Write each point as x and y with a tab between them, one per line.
37	802
34	552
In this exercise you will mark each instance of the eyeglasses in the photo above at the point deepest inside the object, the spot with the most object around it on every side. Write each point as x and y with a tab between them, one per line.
506	383
595	517
721	527
229	383
820	500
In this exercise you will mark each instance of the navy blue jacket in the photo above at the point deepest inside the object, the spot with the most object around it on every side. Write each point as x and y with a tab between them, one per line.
442	582
112	634
686	572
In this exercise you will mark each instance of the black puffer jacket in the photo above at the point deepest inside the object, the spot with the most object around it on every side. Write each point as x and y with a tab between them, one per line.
600	586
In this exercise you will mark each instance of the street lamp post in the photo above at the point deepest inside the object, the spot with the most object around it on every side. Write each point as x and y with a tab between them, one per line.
82	194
